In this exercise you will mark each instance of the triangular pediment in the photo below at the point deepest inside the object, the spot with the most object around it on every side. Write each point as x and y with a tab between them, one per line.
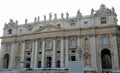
48	28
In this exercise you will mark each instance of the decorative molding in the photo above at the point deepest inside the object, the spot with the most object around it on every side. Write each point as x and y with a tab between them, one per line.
114	34
93	35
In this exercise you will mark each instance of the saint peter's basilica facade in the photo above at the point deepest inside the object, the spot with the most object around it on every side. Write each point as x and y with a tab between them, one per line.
52	42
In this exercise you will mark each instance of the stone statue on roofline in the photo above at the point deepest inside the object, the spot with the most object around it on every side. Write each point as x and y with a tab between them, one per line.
79	15
5	25
11	21
67	15
55	16
35	19
38	18
50	16
16	22
92	11
102	6
62	15
44	17
113	9
26	21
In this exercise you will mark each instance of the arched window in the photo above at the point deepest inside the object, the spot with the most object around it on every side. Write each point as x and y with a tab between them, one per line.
73	42
49	43
105	40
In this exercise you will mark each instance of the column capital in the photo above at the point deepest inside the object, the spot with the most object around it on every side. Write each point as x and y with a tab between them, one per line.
66	37
79	36
93	35
114	34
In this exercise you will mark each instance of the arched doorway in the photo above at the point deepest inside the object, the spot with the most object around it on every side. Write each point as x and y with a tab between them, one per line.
6	61
106	59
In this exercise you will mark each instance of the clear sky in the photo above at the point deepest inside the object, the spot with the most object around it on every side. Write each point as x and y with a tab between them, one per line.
22	9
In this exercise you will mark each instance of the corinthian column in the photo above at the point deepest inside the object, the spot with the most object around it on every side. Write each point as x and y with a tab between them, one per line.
36	54
32	57
115	59
12	57
66	52
54	54
22	54
43	53
62	54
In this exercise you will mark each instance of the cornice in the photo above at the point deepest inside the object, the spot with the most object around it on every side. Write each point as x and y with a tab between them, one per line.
61	32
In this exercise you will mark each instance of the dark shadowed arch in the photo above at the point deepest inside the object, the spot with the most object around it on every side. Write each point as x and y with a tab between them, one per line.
6	61
106	59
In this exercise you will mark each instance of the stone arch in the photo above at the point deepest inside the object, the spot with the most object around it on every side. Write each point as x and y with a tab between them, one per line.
6	59
106	59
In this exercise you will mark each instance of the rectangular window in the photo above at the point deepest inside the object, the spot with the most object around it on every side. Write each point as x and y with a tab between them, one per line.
73	43
49	43
28	45
103	20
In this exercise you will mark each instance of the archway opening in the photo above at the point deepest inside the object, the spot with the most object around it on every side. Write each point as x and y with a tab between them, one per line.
106	59
6	61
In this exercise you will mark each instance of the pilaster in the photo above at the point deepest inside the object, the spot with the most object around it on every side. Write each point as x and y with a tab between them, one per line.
22	54
32	56
36	54
115	51
54	54
12	56
66	52
93	51
62	53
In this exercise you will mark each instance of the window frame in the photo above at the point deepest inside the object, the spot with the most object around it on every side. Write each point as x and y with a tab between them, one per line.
10	31
103	20
105	40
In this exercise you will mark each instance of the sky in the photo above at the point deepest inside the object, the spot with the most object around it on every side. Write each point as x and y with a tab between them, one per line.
22	9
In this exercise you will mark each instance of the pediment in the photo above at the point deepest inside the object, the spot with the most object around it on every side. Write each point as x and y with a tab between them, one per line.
48	28
103	11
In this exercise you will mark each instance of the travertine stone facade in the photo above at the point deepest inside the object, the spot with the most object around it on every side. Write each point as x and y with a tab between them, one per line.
52	43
